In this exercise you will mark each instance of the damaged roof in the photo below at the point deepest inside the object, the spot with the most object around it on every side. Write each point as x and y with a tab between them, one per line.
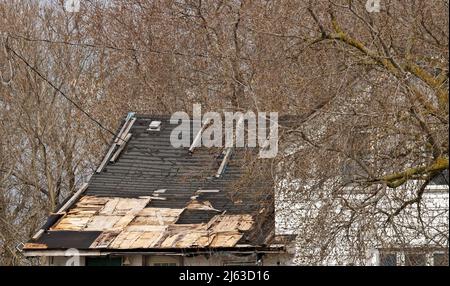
147	194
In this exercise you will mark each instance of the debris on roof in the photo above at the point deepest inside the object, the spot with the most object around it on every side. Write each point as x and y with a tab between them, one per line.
156	196
197	205
126	223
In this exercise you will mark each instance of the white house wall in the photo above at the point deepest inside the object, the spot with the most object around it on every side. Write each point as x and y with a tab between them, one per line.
291	212
272	259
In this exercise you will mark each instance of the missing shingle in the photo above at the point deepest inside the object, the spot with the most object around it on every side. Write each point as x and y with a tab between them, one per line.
192	216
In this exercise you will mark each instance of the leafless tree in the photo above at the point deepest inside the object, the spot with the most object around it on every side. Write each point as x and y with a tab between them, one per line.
367	94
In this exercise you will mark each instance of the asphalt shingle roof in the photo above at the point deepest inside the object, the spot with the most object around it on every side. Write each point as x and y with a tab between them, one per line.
149	163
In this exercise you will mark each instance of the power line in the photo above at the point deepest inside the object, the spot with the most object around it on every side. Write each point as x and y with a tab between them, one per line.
35	70
110	47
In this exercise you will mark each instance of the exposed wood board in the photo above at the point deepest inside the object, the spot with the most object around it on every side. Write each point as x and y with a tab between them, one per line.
102	222
169	240
81	213
75	196
78	217
207	191
145	197
105	239
158	198
212	221
156	216
126	205
152	221
225	239
183	235
125	239
93	200
132	208
197	205
106	158
224	163
147	239
109	207
80	210
126	131
31	245
181	240
189	239
226	223
198	136
140	174
124	221
146	228
193	238
125	125
72	223
120	149
92	213
87	207
38	234
245	222
144	236
161	211
245	225
205	240
180	228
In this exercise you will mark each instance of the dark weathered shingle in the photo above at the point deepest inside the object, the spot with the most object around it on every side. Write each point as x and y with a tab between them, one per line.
149	163
68	239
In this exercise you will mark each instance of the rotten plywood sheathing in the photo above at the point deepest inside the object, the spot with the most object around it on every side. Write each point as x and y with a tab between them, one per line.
231	223
101	213
198	205
182	210
105	239
127	223
157	216
62	209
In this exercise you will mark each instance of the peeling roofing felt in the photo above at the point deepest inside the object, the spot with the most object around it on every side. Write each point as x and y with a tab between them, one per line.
150	195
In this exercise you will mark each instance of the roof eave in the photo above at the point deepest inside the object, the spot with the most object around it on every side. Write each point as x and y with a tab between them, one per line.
154	251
